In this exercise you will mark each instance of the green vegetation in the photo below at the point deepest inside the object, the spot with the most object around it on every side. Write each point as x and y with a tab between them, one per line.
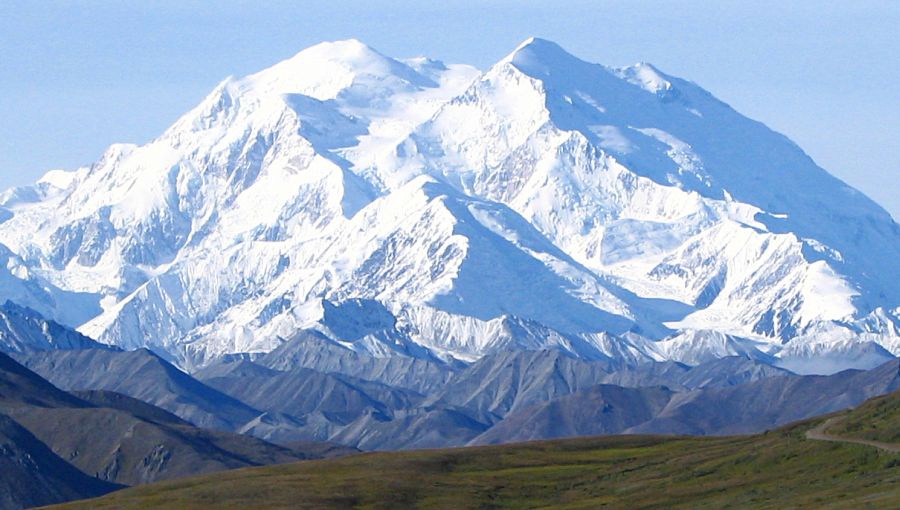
778	469
877	419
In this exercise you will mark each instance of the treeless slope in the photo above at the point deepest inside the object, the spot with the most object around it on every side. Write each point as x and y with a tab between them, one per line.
33	475
876	420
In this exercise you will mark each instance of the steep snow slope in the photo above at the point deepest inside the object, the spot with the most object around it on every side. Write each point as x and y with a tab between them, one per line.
667	189
428	210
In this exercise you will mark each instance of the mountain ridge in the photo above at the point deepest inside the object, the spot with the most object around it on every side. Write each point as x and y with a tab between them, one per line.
545	203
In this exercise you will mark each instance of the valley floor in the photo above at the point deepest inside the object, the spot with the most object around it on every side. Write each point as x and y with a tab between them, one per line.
777	469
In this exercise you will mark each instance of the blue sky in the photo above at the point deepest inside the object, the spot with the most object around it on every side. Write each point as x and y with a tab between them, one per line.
76	76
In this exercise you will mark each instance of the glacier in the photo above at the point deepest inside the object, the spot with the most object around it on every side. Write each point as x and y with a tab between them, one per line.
407	207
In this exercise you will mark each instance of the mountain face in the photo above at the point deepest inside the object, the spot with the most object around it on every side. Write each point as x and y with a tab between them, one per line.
544	394
86	443
34	476
600	410
416	209
142	375
768	403
313	350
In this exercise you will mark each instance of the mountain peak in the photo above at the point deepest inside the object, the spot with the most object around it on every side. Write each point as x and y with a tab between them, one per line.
323	70
330	56
346	50
539	45
539	54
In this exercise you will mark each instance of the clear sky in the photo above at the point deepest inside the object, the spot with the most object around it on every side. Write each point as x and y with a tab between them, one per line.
76	76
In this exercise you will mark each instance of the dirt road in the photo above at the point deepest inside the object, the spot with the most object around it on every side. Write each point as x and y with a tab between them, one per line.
819	433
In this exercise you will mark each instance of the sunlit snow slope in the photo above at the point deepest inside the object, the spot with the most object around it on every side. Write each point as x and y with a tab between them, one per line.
408	207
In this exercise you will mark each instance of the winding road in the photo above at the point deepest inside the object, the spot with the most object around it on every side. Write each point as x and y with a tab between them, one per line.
819	433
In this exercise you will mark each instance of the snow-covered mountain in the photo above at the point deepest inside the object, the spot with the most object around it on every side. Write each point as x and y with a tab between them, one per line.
408	207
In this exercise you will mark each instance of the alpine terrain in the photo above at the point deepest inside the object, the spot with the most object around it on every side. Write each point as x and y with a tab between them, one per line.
434	214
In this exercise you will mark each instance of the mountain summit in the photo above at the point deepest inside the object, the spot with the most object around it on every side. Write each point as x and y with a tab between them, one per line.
414	208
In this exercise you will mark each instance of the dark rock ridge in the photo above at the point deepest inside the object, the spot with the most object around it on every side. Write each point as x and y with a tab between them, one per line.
114	438
143	375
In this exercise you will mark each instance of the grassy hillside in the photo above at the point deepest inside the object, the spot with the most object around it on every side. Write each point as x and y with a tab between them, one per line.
777	469
877	419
